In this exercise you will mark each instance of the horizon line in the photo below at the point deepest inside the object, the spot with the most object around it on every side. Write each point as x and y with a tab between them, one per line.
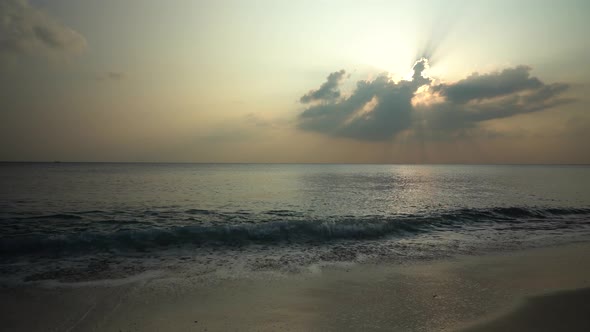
283	163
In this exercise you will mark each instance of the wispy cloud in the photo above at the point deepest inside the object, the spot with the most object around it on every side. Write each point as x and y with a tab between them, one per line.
111	76
27	30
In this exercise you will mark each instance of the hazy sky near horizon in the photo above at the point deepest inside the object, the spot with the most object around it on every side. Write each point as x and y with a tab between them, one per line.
295	81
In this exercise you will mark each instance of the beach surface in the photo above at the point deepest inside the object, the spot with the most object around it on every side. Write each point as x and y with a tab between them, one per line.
561	311
498	292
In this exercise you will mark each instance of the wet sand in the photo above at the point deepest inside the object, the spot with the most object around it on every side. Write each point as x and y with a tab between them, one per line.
484	293
562	311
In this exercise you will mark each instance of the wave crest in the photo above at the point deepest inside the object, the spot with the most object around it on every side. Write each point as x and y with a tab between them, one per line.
290	231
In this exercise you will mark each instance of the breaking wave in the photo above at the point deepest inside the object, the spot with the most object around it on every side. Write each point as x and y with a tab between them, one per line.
280	226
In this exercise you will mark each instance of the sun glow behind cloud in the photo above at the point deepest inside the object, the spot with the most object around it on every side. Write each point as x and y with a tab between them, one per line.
199	81
381	108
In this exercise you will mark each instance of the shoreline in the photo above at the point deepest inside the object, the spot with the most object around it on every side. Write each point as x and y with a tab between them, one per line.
448	294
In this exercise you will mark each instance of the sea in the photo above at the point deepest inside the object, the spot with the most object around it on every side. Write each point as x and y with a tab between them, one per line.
75	222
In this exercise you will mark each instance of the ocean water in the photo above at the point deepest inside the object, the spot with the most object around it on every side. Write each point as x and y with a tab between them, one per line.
268	216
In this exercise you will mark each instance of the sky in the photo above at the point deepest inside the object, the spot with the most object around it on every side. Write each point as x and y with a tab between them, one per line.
295	81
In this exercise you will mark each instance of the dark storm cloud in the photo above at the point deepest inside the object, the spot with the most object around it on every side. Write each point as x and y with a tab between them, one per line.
377	110
25	29
327	91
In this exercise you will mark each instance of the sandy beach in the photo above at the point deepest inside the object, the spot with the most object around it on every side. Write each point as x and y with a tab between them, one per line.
499	292
561	311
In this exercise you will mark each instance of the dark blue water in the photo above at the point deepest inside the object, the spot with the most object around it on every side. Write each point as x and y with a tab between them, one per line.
63	209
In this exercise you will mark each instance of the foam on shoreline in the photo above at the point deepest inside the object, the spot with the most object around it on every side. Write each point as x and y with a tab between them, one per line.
421	296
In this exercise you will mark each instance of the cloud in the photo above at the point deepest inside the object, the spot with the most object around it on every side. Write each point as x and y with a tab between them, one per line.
376	110
26	30
380	109
479	87
327	91
111	75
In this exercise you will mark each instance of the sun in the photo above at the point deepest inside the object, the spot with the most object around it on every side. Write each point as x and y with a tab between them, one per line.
391	58
408	75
